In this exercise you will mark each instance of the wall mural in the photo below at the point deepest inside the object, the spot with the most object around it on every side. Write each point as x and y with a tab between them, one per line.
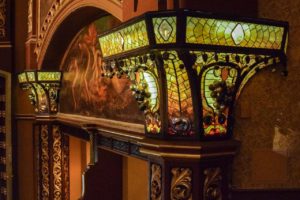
85	91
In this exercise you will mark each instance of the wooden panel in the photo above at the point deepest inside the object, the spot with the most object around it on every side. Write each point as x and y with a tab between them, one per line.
265	194
104	180
3	188
135	179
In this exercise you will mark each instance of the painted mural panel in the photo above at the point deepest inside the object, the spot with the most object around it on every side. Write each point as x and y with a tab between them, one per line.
85	91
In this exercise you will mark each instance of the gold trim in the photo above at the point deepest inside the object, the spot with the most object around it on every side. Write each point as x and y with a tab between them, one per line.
57	163
45	182
181	184
107	123
170	146
6	46
169	155
156	182
184	155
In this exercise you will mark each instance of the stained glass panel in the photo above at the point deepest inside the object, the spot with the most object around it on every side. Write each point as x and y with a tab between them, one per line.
232	33
217	85
165	29
30	76
49	76
129	38
22	78
180	107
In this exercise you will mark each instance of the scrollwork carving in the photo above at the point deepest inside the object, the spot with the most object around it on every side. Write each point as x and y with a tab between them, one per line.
45	192
181	185
213	184
2	18
57	165
156	182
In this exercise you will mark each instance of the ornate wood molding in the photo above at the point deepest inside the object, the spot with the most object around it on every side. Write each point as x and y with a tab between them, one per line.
181	185
3	18
59	11
212	184
156	182
54	10
44	163
53	163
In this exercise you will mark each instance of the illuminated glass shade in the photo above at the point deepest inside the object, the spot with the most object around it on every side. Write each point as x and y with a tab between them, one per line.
22	77
180	106
232	33
129	38
43	87
165	29
49	76
199	65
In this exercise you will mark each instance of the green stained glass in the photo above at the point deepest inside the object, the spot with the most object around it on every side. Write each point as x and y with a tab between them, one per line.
126	39
22	78
49	76
164	29
152	89
30	76
180	108
231	33
209	77
41	97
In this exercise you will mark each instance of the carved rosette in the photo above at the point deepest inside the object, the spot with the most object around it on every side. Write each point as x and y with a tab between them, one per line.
44	159
213	184
181	185
2	18
156	182
57	164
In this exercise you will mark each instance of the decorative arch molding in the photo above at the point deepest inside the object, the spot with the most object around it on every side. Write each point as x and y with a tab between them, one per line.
90	9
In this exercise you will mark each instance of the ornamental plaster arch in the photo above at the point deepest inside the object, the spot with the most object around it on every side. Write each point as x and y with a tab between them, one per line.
85	11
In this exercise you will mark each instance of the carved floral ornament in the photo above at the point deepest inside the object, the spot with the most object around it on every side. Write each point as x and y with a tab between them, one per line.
212	184
181	184
156	182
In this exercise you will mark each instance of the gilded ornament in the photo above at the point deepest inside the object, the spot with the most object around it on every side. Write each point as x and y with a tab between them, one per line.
156	184
213	184
181	185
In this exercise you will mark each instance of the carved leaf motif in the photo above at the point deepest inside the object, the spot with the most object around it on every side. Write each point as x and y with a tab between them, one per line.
156	185
213	184
181	185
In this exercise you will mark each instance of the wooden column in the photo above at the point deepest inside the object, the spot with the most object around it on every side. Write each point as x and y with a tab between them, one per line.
52	153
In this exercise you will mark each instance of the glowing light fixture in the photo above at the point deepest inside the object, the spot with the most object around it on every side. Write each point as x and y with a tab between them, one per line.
191	66
43	87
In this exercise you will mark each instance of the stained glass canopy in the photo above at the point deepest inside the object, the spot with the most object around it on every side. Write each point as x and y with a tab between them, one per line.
43	87
187	68
195	30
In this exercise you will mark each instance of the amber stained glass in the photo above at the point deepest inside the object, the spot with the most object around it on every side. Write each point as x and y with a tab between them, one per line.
233	33
179	95
129	38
